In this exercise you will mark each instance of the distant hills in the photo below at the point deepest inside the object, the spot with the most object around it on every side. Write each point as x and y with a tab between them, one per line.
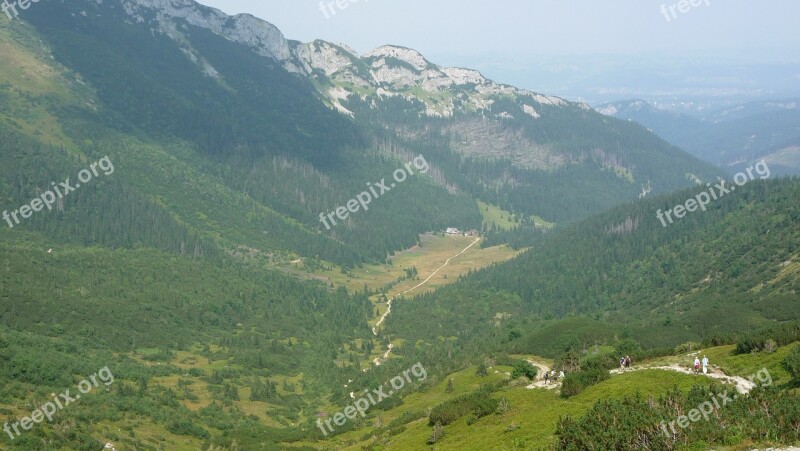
229	141
731	137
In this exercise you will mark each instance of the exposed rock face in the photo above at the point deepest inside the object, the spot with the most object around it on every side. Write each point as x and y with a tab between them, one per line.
354	84
329	58
387	71
261	36
390	71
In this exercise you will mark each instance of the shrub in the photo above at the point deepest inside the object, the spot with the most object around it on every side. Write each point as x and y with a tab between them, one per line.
578	381
524	368
635	421
780	335
479	403
689	346
438	433
586	372
792	365
628	347
186	427
503	406
770	346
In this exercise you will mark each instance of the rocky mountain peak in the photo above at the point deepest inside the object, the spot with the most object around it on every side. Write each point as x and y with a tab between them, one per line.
339	72
385	54
260	35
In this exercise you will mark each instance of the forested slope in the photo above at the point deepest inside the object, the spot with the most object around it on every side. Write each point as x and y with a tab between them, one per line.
273	155
733	267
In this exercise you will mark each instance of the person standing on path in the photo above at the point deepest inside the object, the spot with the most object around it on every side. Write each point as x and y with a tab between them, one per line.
705	365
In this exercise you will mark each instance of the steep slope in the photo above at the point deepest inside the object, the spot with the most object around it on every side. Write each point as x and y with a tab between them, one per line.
507	139
263	95
260	157
629	404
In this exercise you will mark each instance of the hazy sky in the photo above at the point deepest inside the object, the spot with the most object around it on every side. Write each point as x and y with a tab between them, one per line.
591	50
746	28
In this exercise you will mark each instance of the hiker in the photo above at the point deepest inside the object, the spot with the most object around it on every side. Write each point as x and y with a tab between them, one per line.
696	365
546	378
561	374
627	362
705	365
622	363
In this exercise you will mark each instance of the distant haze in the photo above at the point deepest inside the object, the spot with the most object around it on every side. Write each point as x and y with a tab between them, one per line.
515	41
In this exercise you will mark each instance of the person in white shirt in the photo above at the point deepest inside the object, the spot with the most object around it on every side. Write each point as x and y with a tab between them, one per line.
705	365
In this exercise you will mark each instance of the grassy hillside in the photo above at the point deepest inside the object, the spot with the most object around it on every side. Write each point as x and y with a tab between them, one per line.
533	414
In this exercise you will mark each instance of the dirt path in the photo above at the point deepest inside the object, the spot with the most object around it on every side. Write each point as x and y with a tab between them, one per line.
742	385
540	382
378	361
389	309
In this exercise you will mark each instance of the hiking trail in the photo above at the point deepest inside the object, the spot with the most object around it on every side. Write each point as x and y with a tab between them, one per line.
378	360
742	385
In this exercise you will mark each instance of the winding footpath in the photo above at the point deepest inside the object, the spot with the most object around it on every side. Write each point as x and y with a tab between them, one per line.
742	385
378	360
540	382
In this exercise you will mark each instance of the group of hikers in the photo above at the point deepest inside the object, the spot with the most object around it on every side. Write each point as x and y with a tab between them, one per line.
698	362
625	364
552	376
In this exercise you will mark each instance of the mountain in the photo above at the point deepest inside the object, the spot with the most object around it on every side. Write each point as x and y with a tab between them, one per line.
731	137
214	264
493	131
486	140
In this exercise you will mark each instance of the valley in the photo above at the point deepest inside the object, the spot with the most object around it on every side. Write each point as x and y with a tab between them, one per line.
244	281
391	278
438	261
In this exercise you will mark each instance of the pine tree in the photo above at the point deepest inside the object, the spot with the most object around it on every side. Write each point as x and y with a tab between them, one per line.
438	433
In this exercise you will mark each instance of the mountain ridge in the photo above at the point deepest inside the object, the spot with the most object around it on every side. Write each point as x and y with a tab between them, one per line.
304	59
236	91
200	273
